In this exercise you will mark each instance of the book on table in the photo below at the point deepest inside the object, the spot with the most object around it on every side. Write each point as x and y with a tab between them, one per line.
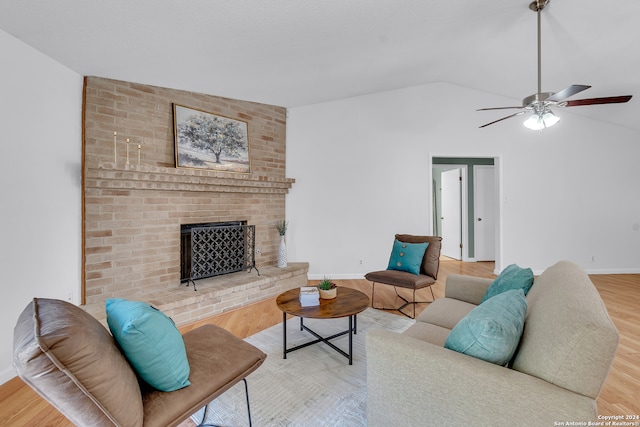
309	296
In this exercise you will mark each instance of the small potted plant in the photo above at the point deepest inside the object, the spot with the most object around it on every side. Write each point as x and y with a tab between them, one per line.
327	289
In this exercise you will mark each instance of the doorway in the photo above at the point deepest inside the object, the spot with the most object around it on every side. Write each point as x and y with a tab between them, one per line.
479	208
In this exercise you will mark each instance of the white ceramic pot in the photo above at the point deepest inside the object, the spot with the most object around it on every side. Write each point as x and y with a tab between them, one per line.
282	253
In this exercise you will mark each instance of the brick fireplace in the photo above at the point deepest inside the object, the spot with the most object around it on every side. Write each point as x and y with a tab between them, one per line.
133	212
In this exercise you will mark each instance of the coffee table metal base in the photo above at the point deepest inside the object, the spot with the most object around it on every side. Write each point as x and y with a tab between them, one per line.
351	331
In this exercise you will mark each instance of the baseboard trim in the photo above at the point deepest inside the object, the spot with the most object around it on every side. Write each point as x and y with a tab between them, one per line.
351	276
7	375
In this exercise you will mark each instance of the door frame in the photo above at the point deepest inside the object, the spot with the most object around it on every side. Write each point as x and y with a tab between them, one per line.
499	195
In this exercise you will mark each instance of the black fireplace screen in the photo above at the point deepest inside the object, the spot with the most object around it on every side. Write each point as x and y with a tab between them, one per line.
214	249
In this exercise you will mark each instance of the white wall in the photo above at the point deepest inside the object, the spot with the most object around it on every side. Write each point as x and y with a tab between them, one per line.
40	227
362	174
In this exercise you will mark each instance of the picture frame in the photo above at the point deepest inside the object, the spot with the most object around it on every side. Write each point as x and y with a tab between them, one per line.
204	140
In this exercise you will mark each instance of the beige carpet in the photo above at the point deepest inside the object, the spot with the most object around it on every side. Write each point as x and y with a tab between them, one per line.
314	386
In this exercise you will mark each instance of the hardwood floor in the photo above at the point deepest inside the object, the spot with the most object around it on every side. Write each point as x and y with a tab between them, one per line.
23	407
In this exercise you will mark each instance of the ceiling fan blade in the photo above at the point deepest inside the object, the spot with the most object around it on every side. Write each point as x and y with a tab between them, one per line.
595	101
499	108
519	113
567	92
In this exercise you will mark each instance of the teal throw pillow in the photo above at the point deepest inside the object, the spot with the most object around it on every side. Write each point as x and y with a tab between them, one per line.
151	343
492	330
407	256
512	277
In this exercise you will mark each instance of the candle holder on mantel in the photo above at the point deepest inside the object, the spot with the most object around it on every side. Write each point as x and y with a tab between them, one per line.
140	150
115	147
128	141
127	150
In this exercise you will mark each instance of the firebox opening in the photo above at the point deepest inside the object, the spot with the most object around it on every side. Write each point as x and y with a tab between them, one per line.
213	249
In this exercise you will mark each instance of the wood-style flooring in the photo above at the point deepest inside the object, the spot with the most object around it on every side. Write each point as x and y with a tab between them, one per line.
20	406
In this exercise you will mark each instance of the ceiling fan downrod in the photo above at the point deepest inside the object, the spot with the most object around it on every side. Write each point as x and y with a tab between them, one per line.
537	6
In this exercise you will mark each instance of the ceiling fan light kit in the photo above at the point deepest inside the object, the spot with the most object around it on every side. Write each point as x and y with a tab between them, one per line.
541	102
541	120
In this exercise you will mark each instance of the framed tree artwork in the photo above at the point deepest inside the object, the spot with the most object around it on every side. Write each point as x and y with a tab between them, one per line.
208	141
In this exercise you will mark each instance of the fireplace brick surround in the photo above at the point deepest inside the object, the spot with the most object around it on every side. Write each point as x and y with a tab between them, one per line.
132	212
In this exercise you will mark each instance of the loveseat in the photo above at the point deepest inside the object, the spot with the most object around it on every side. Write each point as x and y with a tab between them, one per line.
555	375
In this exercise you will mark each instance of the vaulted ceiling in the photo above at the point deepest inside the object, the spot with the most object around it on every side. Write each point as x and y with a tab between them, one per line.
298	52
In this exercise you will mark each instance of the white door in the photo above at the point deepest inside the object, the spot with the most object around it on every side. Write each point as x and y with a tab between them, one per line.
451	213
484	211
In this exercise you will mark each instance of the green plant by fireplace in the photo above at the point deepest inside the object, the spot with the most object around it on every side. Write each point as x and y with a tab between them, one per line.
281	226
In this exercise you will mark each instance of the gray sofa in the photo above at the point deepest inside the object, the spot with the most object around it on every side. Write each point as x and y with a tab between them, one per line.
564	356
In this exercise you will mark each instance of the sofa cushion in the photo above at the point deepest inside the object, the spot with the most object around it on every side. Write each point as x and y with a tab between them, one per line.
428	332
151	342
466	288
445	312
512	277
407	256
71	360
492	330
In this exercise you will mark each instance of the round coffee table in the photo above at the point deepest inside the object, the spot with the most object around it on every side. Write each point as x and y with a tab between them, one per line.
348	303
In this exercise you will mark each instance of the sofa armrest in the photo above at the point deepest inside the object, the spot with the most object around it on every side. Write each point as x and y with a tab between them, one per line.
466	288
412	381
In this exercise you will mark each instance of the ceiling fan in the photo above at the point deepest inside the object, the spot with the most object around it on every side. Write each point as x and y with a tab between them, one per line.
540	103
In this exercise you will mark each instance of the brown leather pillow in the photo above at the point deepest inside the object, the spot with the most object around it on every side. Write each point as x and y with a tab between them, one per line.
431	260
72	361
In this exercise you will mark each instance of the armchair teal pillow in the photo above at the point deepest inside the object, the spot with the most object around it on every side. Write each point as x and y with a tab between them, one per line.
512	277
407	256
151	343
492	330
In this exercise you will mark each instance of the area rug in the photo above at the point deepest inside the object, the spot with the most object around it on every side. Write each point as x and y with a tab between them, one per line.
314	386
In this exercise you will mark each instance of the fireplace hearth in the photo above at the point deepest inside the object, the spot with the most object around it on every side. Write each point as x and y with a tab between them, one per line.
214	249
